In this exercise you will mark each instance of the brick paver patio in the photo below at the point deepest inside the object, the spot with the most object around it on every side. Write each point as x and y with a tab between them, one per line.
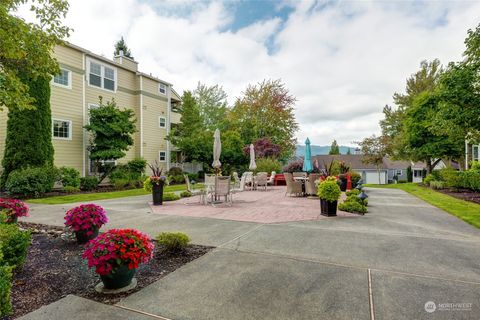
271	206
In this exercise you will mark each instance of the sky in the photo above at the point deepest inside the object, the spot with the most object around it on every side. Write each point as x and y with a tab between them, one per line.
342	60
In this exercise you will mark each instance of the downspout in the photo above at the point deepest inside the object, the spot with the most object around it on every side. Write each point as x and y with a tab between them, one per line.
84	144
466	154
141	116
169	107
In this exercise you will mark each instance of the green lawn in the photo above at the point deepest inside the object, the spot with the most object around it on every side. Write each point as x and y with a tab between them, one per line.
465	210
102	195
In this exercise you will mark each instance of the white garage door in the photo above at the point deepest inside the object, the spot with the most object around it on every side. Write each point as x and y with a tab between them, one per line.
372	177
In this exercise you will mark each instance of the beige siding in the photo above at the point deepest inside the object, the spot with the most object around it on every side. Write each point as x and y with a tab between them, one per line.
3	133
69	56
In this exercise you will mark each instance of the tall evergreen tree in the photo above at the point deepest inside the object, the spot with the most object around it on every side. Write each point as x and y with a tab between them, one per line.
349	151
334	148
121	45
29	132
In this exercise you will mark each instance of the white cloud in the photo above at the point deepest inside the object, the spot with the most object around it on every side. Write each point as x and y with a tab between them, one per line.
343	61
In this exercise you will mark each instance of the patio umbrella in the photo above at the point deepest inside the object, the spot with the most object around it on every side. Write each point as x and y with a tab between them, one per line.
307	161
252	165
217	150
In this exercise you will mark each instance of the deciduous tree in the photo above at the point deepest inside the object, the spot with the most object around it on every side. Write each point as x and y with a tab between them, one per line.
334	148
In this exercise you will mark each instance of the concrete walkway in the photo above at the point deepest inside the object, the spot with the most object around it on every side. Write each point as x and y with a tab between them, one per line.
385	265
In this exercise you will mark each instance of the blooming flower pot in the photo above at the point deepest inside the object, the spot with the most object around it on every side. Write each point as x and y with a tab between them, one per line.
157	194
328	208
82	236
119	277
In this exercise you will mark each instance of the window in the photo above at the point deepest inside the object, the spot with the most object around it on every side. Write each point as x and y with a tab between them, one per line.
162	88
417	173
102	76
62	129
63	79
162	122
476	153
162	156
398	172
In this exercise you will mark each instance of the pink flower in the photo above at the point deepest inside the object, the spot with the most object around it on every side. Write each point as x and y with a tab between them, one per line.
14	208
86	217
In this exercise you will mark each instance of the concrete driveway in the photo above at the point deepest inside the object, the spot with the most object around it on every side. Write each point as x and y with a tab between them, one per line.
403	255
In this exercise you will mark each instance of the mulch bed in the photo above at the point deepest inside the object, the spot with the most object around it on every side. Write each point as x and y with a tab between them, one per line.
55	268
463	194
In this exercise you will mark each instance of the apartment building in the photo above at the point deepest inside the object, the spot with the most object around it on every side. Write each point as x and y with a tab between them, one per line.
84	77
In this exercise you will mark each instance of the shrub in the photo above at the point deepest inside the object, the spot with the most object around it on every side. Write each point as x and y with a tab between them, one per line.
69	177
451	178
175	171
170	196
193	177
294	166
14	244
5	289
173	241
86	217
437	184
268	165
137	166
329	190
402	181
70	189
355	192
352	206
116	248
31	181
429	178
177	179
88	183
185	194
470	179
475	166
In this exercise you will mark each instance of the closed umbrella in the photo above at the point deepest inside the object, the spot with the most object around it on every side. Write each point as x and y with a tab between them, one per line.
307	161
217	150
252	165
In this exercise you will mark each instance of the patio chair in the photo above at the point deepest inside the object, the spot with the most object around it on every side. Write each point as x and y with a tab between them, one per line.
293	187
271	179
209	185
248	179
261	180
310	186
241	187
236	180
222	189
194	192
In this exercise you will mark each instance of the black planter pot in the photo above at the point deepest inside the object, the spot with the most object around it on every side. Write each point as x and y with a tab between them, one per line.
82	237
157	194
328	208
121	277
343	185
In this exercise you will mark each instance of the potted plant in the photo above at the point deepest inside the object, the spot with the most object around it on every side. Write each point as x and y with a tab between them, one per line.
12	209
116	254
155	183
85	221
329	192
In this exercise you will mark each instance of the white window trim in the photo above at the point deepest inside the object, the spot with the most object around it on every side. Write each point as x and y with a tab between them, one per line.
475	146
62	85
165	86
165	118
102	74
69	129
165	156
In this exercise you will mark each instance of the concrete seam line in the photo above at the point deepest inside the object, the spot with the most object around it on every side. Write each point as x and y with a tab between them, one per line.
469	239
240	236
370	296
352	266
142	312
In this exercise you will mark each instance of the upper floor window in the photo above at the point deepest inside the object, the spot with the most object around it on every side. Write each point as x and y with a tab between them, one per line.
102	76
162	122
162	88
63	79
62	129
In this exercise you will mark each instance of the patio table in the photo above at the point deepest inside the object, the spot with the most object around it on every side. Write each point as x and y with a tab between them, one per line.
303	180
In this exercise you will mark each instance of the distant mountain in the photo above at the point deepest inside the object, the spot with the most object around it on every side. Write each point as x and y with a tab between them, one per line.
316	150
